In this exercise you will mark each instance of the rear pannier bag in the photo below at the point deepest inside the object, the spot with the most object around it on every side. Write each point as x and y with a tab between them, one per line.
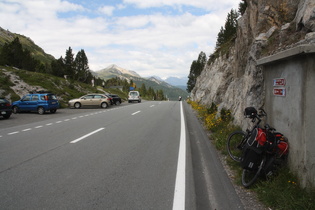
252	151
251	158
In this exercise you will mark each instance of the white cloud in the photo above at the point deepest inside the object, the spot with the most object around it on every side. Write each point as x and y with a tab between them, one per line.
151	44
107	10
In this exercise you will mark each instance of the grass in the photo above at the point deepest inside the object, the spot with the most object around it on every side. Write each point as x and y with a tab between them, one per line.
282	191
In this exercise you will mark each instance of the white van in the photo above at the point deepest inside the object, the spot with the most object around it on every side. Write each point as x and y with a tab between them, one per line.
134	96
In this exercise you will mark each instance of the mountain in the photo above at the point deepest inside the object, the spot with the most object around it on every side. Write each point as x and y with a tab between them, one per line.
182	81
116	71
154	82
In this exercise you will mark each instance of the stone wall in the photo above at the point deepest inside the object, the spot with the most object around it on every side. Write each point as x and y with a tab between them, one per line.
234	80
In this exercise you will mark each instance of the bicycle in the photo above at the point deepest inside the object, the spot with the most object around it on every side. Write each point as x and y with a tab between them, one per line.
264	159
260	151
236	140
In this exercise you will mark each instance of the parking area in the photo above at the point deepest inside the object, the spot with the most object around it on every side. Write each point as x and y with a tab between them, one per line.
28	117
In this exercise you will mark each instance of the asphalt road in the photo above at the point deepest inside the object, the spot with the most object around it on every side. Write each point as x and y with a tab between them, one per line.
123	157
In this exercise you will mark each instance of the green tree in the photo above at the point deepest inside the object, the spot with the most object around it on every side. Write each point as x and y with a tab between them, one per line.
195	70
143	90
82	70
69	63
229	31
58	67
12	54
242	7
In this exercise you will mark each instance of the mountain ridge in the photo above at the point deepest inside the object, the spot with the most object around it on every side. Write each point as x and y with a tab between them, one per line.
154	82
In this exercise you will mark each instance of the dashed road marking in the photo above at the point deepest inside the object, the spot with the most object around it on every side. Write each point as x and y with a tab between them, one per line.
85	136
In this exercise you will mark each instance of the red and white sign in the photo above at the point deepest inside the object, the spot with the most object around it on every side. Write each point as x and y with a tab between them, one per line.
279	91
279	82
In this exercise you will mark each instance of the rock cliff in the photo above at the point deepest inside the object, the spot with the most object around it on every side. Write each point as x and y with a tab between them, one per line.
233	80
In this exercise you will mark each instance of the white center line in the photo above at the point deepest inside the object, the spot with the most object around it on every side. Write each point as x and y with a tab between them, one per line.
180	188
27	129
39	126
85	136
13	133
135	112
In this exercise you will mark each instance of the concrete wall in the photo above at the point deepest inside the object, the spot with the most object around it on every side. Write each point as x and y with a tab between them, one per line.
294	114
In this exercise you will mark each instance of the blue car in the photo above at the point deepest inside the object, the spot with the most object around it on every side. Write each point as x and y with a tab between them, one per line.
36	102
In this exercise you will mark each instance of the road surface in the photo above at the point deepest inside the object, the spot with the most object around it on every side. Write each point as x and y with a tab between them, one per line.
151	155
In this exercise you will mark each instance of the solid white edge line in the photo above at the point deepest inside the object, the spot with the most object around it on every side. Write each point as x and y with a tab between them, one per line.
87	135
180	183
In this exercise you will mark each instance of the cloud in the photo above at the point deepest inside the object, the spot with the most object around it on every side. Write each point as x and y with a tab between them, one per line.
107	10
151	43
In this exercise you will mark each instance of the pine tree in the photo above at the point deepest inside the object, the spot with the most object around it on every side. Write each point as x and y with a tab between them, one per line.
229	30
69	63
242	7
58	67
195	70
82	70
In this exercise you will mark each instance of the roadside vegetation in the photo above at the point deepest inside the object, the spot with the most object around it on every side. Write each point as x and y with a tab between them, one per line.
282	191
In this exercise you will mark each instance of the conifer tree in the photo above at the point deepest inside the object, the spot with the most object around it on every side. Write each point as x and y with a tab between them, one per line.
82	70
69	63
195	70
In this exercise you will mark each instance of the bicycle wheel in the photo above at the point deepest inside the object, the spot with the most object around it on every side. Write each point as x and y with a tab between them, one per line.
250	176
235	144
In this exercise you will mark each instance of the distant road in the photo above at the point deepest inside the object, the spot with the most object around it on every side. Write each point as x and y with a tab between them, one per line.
124	157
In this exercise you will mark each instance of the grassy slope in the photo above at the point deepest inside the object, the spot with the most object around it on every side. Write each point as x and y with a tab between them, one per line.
64	89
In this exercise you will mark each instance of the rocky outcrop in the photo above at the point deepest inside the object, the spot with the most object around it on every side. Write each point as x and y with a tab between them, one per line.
233	80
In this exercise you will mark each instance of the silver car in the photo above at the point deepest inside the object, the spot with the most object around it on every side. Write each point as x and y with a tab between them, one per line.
90	100
134	96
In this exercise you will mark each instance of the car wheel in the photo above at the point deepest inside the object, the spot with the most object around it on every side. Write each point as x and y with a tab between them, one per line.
7	116
77	105
15	109
53	111
41	110
104	105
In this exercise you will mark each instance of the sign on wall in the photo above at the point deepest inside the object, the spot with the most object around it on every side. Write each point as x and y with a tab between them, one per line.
279	82
279	89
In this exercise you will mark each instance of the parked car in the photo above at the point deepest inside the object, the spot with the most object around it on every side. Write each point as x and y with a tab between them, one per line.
116	99
5	108
134	96
93	99
39	102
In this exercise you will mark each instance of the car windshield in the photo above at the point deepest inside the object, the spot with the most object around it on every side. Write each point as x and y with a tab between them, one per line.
133	93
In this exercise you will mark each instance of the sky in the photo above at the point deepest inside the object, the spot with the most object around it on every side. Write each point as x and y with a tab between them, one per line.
151	37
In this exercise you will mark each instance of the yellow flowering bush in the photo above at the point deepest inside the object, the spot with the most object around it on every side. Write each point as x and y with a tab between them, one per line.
219	124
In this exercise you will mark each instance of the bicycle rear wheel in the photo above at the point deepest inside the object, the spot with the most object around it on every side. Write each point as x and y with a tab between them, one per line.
250	176
235	145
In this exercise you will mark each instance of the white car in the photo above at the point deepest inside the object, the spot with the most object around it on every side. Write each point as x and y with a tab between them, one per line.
134	96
